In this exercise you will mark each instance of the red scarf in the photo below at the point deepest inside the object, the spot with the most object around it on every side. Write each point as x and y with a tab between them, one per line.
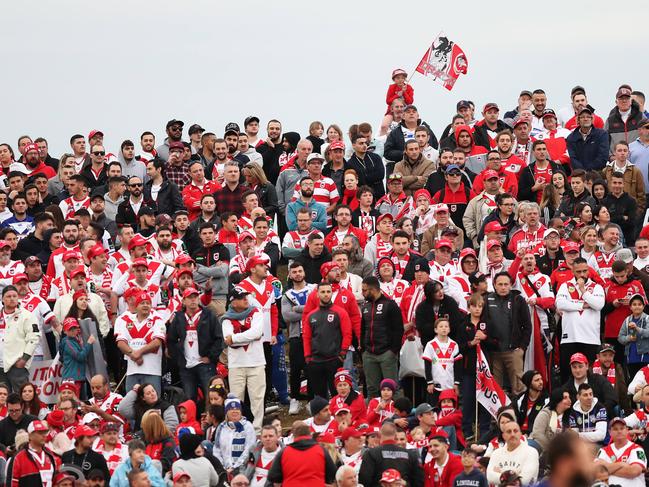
610	375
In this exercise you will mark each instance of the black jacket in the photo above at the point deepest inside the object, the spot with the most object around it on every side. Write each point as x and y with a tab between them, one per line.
169	199
191	241
126	215
270	155
602	390
520	405
93	182
312	265
30	245
591	153
381	326
370	170
425	316
395	142
390	455
480	135
521	322
208	256
465	332
210	337
546	264
526	181
436	181
567	206
267	195
87	462
624	206
8	428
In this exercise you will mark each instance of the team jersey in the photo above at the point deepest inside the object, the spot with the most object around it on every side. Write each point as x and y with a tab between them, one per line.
22	227
394	289
631	454
602	262
7	272
70	206
138	334
262	467
55	265
442	357
103	280
113	457
156	273
264	297
579	324
43	313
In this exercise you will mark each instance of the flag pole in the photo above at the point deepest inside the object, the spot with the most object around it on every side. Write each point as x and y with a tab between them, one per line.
475	433
431	45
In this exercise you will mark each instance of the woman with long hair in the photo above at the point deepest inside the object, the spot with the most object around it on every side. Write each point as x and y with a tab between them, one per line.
266	192
334	132
160	444
31	402
559	181
550	201
588	241
66	169
583	213
143	398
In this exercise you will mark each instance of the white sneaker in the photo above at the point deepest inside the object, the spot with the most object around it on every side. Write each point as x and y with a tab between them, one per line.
294	407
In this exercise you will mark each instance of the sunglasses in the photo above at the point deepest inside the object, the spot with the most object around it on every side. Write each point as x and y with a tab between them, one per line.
175	128
135	185
454	174
99	153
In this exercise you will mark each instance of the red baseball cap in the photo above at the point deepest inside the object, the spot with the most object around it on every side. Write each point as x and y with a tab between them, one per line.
183	259
71	254
494	243
185	271
441	207
489	106
422	193
327	267
68	385
96	250
390	475
190	291
62	477
383	217
141	262
520	122
21	276
570	247
490	174
443	242
578	357
95	132
467	251
179	475
350	433
137	241
4	243
70	323
84	430
141	297
77	271
493	227
244	235
256	260
336	144
37	425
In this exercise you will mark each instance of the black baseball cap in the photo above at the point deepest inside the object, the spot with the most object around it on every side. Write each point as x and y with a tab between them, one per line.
232	128
175	122
250	119
195	128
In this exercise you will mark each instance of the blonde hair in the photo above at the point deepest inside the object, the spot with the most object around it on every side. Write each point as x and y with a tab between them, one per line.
257	172
154	428
62	163
313	126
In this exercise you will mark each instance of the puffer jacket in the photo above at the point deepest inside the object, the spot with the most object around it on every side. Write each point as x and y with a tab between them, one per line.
415	173
618	130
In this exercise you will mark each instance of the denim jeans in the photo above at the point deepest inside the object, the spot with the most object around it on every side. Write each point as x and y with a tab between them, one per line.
348	365
195	377
154	380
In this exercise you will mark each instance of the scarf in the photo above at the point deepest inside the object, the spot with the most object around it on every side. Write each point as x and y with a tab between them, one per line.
237	426
231	314
610	375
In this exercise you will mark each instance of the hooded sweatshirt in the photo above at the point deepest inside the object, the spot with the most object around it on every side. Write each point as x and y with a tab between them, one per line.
190	422
200	469
591	424
477	155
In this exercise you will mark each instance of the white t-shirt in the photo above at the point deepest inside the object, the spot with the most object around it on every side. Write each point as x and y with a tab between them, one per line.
641	264
155	189
138	334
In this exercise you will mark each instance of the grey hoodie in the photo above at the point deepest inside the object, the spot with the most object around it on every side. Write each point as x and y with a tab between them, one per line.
133	168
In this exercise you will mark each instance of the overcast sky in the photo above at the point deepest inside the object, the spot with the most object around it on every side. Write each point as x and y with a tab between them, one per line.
129	66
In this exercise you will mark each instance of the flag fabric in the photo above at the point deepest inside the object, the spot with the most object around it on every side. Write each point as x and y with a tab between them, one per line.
444	61
488	392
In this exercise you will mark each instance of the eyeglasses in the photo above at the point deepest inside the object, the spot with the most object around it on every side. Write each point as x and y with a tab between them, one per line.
135	185
99	153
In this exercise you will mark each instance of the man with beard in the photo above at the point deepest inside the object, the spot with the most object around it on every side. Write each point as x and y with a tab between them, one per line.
588	146
103	402
550	254
306	201
128	211
288	179
70	243
130	165
165	251
198	187
475	154
484	203
206	150
485	130
437	180
147	143
207	214
537	175
161	191
33	163
579	101
231	137
343	217
184	233
271	149
98	215
396	140
34	243
324	189
623	120
213	263
176	169
529	403
216	168
174	135
290	141
414	168
539	103
77	188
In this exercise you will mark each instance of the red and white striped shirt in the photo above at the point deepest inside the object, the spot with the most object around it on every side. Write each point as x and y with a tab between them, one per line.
70	206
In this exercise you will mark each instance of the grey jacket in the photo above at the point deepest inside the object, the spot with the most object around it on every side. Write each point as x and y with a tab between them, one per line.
219	275
292	314
286	186
642	334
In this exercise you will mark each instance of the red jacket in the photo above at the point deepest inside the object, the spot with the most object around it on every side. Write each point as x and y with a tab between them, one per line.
192	195
614	317
331	240
451	470
344	299
356	408
563	274
508	181
301	464
22	469
395	92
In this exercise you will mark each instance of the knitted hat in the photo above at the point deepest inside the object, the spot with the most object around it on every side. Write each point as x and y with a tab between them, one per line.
342	375
528	376
317	404
55	418
389	383
232	402
326	268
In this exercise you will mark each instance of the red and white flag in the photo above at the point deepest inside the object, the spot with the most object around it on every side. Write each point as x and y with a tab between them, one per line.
444	61
488	392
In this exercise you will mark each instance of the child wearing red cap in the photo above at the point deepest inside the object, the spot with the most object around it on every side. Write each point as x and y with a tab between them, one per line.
399	89
73	351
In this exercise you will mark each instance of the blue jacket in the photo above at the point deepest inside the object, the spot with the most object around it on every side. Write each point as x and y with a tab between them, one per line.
119	478
588	154
318	215
74	357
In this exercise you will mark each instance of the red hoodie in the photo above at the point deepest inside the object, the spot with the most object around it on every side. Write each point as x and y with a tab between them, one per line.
614	317
189	423
452	417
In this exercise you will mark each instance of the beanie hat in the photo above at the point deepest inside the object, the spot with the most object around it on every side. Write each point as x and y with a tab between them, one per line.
343	376
389	383
55	418
232	402
327	267
528	376
317	404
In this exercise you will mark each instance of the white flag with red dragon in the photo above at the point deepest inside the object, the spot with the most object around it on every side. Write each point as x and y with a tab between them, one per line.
488	392
444	61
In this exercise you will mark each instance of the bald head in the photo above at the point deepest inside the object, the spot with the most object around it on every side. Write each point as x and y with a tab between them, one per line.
99	387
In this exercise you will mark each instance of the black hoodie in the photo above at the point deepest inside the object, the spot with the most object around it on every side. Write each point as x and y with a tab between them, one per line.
312	264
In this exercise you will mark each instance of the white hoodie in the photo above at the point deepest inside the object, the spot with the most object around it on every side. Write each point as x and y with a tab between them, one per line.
592	424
